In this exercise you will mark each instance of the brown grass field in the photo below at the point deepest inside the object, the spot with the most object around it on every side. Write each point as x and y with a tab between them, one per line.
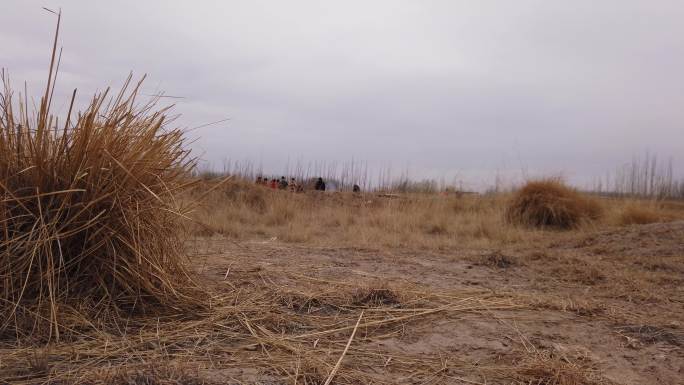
397	289
117	266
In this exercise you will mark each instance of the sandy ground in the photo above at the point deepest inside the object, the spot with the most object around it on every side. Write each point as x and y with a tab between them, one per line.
578	308
610	303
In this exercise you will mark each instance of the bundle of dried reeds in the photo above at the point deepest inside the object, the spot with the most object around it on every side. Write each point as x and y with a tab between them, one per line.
549	203
88	220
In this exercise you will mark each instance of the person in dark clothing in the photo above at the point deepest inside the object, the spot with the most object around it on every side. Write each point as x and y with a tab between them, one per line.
258	181
320	185
356	188
283	183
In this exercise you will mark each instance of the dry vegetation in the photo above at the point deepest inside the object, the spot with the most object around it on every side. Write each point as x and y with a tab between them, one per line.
89	219
551	204
431	289
542	286
243	211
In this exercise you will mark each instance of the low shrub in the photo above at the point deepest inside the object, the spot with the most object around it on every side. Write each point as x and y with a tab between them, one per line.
88	216
637	215
548	203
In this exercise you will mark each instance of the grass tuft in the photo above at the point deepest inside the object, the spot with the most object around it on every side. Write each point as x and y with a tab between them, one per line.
88	216
638	215
548	203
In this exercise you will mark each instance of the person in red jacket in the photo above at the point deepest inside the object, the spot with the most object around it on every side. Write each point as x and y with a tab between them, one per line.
274	184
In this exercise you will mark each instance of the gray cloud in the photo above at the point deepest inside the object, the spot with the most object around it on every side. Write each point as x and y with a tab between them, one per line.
447	87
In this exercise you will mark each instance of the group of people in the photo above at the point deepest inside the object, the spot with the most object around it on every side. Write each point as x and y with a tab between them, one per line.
281	184
291	185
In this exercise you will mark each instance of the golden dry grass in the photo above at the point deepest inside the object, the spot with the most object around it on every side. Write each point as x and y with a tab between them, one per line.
634	214
244	211
88	215
548	203
290	324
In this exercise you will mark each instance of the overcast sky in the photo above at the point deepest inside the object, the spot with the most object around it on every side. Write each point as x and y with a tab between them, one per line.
445	88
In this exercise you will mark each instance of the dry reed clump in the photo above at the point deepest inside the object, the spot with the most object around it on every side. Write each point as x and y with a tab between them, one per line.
309	303
544	368
252	196
375	297
88	218
497	260
548	203
637	215
436	228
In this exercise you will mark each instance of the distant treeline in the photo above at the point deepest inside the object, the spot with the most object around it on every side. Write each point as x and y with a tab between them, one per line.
643	178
